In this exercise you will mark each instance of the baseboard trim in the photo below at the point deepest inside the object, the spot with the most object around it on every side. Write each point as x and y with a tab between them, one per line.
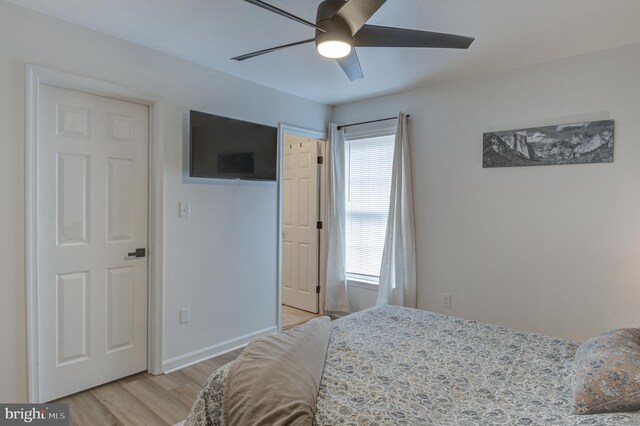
183	361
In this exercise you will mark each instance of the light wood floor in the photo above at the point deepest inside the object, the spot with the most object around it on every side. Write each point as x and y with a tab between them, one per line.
145	400
142	399
292	316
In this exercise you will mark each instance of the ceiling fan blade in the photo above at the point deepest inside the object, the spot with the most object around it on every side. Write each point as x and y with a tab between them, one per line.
284	13
356	13
272	49
375	36
350	64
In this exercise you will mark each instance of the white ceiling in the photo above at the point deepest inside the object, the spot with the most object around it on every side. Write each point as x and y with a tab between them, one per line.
509	33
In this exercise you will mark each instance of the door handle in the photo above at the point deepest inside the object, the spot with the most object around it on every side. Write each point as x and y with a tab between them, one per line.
140	252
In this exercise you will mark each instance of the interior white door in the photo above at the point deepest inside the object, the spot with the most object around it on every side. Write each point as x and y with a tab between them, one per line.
300	237
92	212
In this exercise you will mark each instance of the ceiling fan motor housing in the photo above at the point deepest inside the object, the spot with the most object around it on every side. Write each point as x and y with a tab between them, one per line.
327	9
336	29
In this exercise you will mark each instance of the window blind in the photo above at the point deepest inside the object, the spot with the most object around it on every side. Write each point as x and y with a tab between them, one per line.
368	165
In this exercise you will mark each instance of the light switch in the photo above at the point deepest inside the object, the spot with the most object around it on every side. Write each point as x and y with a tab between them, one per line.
185	315
185	210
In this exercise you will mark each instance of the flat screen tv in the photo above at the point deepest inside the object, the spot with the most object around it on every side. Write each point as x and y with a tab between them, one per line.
225	148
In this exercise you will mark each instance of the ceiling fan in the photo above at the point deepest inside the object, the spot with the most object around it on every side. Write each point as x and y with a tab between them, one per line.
341	26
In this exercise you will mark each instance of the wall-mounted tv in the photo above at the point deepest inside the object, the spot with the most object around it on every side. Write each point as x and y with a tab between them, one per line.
225	148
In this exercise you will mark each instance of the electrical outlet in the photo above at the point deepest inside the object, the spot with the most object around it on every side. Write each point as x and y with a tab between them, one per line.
185	315
446	300
184	210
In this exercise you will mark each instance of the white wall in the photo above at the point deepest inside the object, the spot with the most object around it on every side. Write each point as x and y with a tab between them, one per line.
552	249
361	295
221	262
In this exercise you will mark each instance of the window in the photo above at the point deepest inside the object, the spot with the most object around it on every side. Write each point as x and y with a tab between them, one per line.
368	179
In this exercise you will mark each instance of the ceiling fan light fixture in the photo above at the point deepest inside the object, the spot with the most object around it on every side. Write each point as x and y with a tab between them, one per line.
334	49
333	44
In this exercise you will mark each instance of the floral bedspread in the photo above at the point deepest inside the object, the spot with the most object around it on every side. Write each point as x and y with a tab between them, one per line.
393	365
399	366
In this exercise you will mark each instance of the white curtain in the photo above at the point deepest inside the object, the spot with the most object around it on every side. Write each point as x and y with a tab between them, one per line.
398	271
337	300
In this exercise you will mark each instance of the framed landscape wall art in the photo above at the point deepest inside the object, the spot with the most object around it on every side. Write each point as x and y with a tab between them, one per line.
578	143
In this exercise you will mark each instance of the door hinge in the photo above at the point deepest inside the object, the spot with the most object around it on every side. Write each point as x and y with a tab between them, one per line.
319	224
317	289
320	159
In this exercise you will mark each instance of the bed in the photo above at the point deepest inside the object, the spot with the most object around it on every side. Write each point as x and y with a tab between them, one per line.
393	365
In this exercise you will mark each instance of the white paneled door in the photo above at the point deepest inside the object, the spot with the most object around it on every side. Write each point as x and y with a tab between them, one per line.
92	218
300	212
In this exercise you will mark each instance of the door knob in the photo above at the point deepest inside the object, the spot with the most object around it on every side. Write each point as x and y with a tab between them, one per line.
140	252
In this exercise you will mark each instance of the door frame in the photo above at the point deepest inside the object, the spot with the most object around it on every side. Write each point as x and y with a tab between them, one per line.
314	134
35	78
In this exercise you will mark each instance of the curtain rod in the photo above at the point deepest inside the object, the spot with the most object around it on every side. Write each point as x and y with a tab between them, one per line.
367	122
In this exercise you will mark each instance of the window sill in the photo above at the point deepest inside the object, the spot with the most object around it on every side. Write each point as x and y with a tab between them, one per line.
363	283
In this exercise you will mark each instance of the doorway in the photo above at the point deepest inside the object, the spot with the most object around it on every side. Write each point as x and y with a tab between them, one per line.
301	238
